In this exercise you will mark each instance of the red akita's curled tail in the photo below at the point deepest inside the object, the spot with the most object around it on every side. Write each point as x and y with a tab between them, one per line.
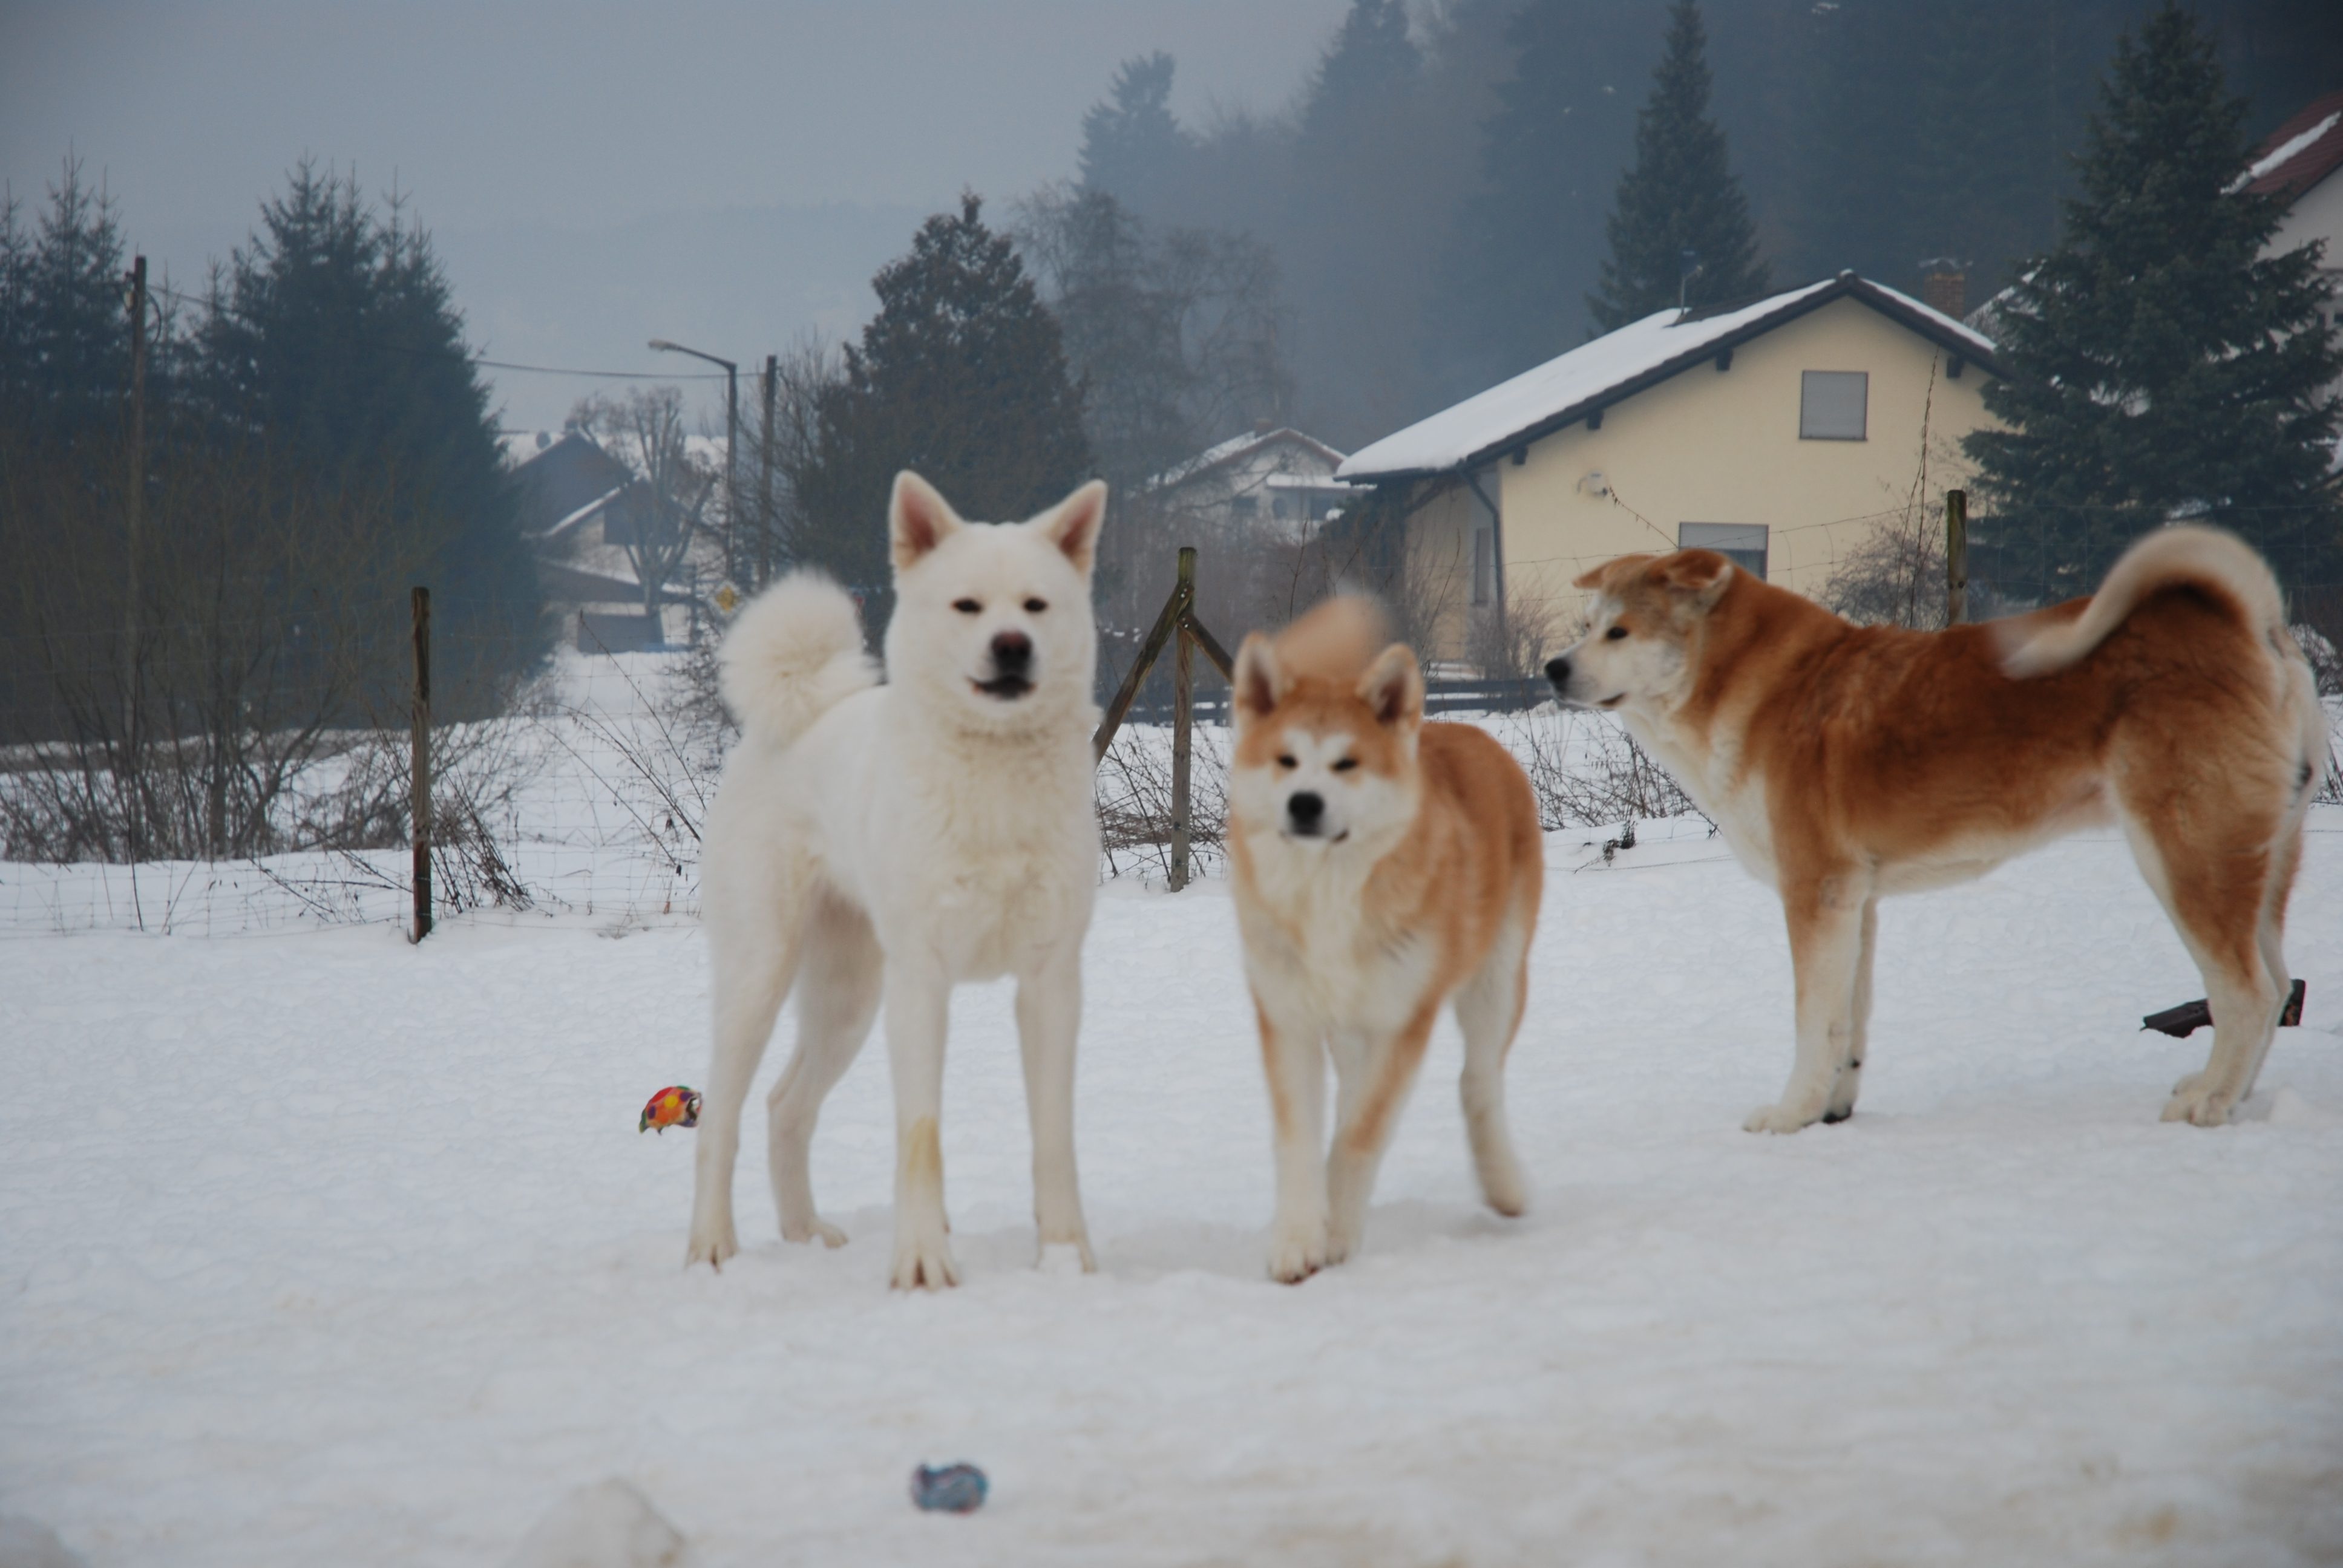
2167	558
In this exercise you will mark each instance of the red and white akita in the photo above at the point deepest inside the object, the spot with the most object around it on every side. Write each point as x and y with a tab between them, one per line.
1843	763
1383	867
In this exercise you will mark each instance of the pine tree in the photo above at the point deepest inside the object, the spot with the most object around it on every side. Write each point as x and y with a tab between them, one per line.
1133	148
65	324
961	376
2160	365
333	340
1529	246
1679	195
1371	61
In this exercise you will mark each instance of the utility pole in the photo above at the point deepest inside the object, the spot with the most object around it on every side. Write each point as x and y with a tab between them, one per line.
765	542
135	518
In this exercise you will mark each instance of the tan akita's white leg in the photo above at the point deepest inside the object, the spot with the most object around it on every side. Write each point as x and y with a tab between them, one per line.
1048	1019
838	996
750	967
1825	949
1372	1100
1850	1077
1489	1010
1296	1065
918	1007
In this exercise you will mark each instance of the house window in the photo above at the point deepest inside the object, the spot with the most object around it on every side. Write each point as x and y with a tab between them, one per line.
1244	506
1281	508
1831	405
1485	567
1742	544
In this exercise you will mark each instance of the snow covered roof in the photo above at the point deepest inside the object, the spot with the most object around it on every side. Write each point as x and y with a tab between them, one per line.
2298	154
1238	446
1621	364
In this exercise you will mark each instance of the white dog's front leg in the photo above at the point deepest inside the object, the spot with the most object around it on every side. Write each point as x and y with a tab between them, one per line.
1826	949
752	969
1048	1019
1296	1065
919	1007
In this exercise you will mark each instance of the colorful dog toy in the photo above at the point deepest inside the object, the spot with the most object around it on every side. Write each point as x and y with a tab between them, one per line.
674	1105
949	1488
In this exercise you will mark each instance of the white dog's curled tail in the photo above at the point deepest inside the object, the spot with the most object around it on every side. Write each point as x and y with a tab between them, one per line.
794	652
2184	553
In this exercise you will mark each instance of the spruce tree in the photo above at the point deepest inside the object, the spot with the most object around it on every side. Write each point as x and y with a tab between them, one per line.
2161	366
1529	245
1133	148
65	327
961	376
1680	195
332	340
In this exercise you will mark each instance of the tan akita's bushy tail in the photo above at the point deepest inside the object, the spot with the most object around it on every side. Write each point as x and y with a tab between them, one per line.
2165	558
794	653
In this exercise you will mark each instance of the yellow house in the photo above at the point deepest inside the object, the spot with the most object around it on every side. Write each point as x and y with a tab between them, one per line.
1785	432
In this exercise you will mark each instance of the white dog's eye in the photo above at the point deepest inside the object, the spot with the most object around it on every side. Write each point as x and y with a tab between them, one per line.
1346	764
1287	762
966	606
1036	605
1615	634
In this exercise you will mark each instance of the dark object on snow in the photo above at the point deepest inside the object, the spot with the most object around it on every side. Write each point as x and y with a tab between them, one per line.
2181	1022
948	1488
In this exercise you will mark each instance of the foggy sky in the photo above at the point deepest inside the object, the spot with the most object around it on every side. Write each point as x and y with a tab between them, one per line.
725	176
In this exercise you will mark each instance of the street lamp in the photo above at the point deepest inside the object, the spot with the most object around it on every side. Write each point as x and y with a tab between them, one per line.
731	447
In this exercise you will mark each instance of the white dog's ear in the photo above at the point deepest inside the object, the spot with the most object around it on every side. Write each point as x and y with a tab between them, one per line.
1392	687
918	520
1073	525
1258	682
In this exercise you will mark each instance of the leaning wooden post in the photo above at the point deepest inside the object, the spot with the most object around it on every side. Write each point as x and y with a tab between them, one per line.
1183	663
1957	557
419	807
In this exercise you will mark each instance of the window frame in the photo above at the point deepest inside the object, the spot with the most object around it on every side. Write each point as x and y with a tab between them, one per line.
1806	380
1753	561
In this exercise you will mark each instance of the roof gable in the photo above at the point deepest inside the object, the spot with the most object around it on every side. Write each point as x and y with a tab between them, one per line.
1617	366
2300	153
1236	449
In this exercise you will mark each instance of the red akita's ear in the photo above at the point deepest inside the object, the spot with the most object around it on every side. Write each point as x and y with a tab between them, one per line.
1073	525
1258	681
1393	687
1700	575
1600	575
918	520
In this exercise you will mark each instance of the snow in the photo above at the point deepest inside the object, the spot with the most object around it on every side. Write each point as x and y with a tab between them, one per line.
1466	430
323	1248
2285	152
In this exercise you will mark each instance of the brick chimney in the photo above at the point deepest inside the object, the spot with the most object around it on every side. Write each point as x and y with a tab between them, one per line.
1945	286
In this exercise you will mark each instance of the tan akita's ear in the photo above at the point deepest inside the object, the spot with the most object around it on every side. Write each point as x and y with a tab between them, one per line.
1392	687
1073	524
1258	683
918	520
1700	575
1595	579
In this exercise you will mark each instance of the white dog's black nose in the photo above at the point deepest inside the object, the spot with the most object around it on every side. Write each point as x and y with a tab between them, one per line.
1306	807
1012	652
1557	670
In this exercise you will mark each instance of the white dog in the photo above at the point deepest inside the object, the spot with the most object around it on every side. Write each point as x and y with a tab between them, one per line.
892	841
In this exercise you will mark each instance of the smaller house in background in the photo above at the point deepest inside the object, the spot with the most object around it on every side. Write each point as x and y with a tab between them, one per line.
1274	483
578	506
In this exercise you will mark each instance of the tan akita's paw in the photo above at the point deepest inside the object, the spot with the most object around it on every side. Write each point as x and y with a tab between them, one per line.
1296	1252
711	1243
1781	1118
924	1263
2194	1102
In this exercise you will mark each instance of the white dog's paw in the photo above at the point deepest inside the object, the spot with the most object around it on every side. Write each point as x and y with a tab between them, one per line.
1067	1258
2194	1100
923	1261
1782	1118
712	1242
1296	1252
828	1235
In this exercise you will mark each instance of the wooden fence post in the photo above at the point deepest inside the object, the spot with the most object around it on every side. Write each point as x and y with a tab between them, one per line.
1183	661
419	807
1957	557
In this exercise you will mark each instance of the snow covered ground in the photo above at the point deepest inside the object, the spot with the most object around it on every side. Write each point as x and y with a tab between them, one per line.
316	1247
